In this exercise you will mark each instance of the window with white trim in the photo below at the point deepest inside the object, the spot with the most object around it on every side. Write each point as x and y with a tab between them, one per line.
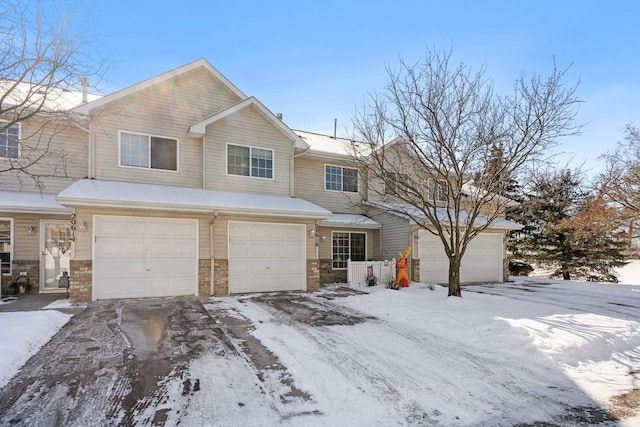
395	182
347	245
5	245
139	150
437	190
9	140
338	178
249	161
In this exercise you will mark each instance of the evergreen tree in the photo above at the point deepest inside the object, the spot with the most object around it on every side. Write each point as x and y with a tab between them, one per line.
566	228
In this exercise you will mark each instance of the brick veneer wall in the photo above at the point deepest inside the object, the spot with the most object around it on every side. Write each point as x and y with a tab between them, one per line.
329	275
221	277
415	270
80	280
31	267
204	277
313	275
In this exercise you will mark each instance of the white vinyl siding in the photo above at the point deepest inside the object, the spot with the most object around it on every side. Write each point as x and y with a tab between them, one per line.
310	183
251	128
167	108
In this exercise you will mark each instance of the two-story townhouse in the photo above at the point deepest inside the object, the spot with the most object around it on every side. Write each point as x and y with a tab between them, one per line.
404	225
51	146
189	191
186	186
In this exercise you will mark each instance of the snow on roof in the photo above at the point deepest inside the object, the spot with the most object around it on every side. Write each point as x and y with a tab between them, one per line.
328	145
349	220
24	202
87	192
56	99
412	213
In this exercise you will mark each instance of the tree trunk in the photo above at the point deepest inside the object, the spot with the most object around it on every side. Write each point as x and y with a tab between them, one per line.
566	275
454	277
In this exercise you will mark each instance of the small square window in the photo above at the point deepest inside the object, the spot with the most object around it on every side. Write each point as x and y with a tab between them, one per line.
338	178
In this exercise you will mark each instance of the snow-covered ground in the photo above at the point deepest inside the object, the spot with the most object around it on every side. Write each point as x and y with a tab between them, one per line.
522	352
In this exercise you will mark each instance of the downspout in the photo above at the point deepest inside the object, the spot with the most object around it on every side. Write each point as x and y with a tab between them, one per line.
211	249
92	152
204	168
292	189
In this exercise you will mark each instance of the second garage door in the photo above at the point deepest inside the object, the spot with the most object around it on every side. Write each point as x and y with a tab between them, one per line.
144	257
265	257
482	262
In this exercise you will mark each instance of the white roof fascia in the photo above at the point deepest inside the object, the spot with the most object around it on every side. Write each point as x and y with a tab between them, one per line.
350	221
113	194
29	202
199	129
158	79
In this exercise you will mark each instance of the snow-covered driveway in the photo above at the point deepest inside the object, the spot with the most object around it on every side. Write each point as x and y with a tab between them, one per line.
519	354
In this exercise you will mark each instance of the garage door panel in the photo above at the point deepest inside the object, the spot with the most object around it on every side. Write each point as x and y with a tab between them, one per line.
266	257
144	257
482	261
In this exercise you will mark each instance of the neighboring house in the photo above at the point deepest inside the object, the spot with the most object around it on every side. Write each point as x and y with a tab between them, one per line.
183	185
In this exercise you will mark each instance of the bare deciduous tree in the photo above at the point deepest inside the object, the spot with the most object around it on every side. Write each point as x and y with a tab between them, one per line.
455	128
44	56
620	180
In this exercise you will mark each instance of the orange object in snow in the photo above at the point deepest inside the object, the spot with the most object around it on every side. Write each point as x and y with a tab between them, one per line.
402	278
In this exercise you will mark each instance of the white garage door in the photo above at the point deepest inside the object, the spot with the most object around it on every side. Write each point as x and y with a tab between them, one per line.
265	257
482	262
144	257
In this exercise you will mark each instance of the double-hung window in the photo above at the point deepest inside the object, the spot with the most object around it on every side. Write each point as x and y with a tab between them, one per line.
395	183
249	161
5	246
147	151
338	178
345	246
9	140
437	190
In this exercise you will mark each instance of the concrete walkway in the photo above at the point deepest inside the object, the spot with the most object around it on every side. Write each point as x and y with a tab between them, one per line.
28	302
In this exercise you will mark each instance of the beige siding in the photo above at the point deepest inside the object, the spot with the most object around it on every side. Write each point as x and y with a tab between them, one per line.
310	185
396	233
247	128
167	109
65	157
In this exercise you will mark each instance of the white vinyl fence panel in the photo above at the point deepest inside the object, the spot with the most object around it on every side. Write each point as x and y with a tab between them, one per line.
385	271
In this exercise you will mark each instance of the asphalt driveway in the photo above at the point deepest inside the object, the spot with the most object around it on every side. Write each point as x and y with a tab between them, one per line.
112	365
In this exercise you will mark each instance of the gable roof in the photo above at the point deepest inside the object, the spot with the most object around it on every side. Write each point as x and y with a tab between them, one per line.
328	146
199	129
159	79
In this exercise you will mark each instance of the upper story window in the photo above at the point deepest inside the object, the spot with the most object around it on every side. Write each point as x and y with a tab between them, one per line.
147	151
437	190
249	161
395	182
338	178
9	140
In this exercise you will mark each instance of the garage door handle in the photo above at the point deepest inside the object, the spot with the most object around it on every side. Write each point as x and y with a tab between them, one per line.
148	269
268	268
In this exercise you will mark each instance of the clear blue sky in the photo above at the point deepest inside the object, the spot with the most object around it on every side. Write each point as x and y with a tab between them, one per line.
314	61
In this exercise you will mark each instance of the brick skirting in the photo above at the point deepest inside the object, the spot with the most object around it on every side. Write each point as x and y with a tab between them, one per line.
80	280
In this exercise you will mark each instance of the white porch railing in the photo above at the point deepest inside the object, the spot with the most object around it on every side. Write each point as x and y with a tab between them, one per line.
385	271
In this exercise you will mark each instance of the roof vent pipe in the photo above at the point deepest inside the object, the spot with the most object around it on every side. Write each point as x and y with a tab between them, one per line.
85	90
279	116
335	127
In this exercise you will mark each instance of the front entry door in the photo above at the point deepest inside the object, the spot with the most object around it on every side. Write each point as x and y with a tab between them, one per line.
55	247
